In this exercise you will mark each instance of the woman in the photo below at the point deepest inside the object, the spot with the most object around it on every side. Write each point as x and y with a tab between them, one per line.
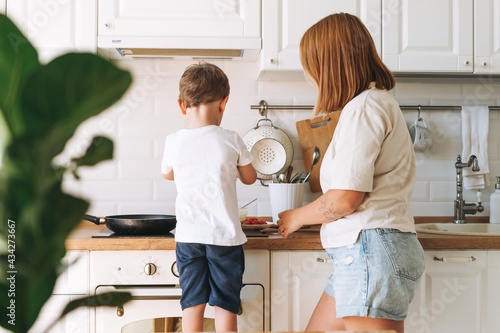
367	176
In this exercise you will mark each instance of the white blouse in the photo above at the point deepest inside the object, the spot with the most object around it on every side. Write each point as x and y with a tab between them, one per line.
370	152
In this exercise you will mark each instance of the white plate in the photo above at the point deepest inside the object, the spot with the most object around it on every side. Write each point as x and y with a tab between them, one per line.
269	156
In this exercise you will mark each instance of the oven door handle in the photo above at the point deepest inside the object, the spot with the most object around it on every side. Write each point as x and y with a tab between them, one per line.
120	310
162	297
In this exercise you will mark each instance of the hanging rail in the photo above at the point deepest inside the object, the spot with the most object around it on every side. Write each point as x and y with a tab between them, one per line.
263	107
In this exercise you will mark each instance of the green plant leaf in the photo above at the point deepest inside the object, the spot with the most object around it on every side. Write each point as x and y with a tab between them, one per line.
67	91
41	107
18	59
100	149
113	298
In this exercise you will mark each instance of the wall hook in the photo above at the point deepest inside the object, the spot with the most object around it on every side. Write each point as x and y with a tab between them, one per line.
263	108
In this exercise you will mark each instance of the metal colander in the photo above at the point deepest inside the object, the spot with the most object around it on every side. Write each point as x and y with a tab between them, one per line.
271	148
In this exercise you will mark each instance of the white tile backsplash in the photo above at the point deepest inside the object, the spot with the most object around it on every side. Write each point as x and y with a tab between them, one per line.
106	170
116	191
100	208
139	169
138	124
440	190
420	191
164	191
135	148
147	206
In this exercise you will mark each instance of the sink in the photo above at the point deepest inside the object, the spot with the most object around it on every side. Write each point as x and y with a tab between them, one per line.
467	229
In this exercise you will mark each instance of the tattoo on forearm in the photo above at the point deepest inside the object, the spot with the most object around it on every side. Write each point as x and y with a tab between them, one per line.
328	210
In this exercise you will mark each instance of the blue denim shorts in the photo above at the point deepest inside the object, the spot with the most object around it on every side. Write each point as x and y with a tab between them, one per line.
377	276
210	274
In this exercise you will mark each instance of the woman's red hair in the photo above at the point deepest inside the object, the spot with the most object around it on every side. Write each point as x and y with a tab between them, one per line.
340	56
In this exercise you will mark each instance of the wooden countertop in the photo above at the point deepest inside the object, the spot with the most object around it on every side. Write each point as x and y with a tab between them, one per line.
308	239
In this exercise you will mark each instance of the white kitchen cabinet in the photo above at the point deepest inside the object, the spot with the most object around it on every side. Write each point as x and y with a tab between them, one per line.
3	5
194	18
492	315
298	279
427	35
72	284
452	296
56	27
486	36
285	21
459	295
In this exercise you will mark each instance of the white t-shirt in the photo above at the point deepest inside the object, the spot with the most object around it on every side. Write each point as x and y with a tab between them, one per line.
205	163
371	152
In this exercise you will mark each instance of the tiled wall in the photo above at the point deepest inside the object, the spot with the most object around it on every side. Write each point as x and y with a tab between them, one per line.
132	182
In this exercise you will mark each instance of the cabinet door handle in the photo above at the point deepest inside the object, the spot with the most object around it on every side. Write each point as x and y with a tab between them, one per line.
120	311
456	260
324	260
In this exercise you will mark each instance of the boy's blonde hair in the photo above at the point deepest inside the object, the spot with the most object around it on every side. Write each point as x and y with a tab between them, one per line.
340	56
203	83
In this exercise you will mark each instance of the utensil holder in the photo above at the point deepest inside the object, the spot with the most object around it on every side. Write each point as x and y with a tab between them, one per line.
285	196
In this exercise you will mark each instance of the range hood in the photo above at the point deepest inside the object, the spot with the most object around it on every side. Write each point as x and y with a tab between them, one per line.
129	47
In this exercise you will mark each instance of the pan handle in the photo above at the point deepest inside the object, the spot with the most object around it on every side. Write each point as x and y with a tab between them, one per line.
93	219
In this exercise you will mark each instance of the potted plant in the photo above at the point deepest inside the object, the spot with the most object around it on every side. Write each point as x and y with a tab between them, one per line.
41	107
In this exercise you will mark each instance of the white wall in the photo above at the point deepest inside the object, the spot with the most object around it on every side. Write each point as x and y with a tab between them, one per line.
132	182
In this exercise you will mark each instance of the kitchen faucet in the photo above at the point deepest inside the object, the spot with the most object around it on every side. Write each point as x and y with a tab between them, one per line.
461	207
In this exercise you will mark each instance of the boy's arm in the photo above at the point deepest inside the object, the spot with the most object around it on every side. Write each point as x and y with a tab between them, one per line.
169	176
247	174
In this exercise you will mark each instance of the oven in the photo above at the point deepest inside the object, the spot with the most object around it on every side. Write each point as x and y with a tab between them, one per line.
151	277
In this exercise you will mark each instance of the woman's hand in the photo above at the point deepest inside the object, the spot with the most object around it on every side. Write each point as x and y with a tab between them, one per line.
329	207
288	222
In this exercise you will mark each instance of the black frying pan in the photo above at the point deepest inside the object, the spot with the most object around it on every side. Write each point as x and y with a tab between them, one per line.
136	224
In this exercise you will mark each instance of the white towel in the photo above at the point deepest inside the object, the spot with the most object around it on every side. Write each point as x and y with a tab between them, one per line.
475	123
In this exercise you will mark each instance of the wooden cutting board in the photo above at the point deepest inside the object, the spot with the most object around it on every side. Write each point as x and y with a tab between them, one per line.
316	132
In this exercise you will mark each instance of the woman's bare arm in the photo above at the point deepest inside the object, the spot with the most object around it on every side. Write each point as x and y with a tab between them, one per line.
331	206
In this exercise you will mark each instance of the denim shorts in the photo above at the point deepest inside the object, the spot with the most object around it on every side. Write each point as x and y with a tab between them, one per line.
210	274
377	276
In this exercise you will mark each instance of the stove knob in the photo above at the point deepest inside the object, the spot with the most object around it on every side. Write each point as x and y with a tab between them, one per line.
174	269
150	269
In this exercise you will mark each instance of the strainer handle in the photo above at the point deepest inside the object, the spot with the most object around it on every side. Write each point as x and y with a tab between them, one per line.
264	119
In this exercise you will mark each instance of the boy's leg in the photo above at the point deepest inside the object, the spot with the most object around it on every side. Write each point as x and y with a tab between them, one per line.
226	266
192	318
193	271
225	321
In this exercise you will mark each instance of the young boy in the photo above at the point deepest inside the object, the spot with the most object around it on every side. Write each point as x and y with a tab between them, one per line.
206	160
